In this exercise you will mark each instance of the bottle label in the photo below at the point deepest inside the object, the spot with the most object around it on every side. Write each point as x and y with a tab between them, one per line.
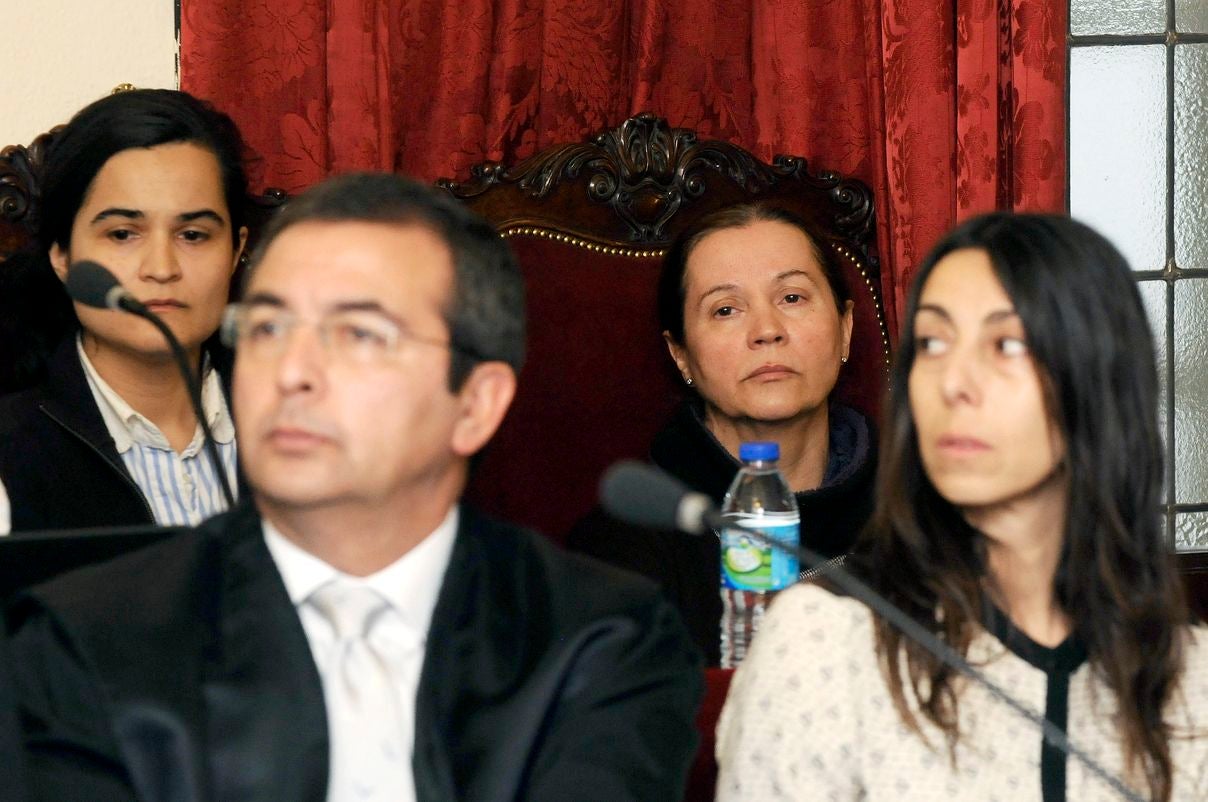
749	564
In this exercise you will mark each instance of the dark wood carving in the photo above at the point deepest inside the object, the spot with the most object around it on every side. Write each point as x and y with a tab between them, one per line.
259	209
627	185
20	194
20	167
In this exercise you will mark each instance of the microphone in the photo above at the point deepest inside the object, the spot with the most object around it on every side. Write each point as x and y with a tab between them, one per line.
643	495
648	497
92	285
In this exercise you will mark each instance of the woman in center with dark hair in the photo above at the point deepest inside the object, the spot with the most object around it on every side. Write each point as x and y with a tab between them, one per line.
150	184
1018	521
758	321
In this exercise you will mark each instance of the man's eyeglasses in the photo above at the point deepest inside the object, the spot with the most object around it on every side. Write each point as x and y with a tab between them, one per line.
356	336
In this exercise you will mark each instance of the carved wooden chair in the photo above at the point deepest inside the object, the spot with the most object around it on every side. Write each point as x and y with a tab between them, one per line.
589	222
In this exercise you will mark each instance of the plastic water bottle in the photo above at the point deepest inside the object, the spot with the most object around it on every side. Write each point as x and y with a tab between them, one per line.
752	572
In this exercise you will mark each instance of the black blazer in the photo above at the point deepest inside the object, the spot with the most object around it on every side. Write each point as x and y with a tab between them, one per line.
58	462
12	757
183	670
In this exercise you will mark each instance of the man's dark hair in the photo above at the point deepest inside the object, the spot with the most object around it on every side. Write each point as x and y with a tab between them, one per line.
671	287
485	313
37	312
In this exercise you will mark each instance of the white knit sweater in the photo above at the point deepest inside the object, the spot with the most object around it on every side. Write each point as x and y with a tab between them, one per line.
809	717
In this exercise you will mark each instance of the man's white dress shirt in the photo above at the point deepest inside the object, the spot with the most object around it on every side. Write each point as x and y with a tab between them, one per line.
411	586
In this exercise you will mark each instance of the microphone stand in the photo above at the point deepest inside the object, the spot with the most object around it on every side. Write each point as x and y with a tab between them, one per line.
898	619
182	362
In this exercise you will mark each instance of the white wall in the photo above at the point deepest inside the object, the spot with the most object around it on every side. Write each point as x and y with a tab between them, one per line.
59	55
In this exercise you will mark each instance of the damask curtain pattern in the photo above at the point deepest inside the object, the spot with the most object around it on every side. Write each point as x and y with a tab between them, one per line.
944	107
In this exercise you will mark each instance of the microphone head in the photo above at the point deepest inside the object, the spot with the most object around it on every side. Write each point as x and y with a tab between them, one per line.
640	494
92	285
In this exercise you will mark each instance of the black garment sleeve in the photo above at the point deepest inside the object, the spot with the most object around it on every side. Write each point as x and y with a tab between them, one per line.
686	567
623	727
71	752
12	754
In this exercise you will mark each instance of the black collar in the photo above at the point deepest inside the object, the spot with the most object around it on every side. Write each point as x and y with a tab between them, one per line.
1065	657
686	449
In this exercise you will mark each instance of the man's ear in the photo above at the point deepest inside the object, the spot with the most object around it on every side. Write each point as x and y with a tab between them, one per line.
59	261
484	399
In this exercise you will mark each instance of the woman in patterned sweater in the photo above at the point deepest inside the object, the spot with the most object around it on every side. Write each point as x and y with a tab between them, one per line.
1017	520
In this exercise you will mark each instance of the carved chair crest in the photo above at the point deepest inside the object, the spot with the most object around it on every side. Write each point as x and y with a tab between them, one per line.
637	177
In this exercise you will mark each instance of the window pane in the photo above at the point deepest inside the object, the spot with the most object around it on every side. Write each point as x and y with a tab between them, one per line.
1118	147
1118	16
1191	531
1191	16
1191	390
1153	295
1190	145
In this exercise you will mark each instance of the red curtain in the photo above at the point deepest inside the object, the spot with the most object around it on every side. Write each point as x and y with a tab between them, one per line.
945	107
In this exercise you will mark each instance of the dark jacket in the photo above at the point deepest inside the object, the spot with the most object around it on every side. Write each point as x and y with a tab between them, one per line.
184	668
12	756
58	462
688	566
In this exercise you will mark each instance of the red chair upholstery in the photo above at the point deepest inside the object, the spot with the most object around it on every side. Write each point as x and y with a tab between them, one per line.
702	778
589	223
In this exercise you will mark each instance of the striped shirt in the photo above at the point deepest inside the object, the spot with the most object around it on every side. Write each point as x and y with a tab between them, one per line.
181	488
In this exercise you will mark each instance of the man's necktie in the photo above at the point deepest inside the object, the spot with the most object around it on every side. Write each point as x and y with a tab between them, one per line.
370	747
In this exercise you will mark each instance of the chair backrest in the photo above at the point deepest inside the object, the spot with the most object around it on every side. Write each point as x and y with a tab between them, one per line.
590	222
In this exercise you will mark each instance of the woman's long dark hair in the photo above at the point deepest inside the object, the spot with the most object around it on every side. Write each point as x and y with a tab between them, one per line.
1116	579
35	312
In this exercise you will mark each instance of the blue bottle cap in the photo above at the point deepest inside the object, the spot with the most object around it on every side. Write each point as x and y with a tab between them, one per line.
749	452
